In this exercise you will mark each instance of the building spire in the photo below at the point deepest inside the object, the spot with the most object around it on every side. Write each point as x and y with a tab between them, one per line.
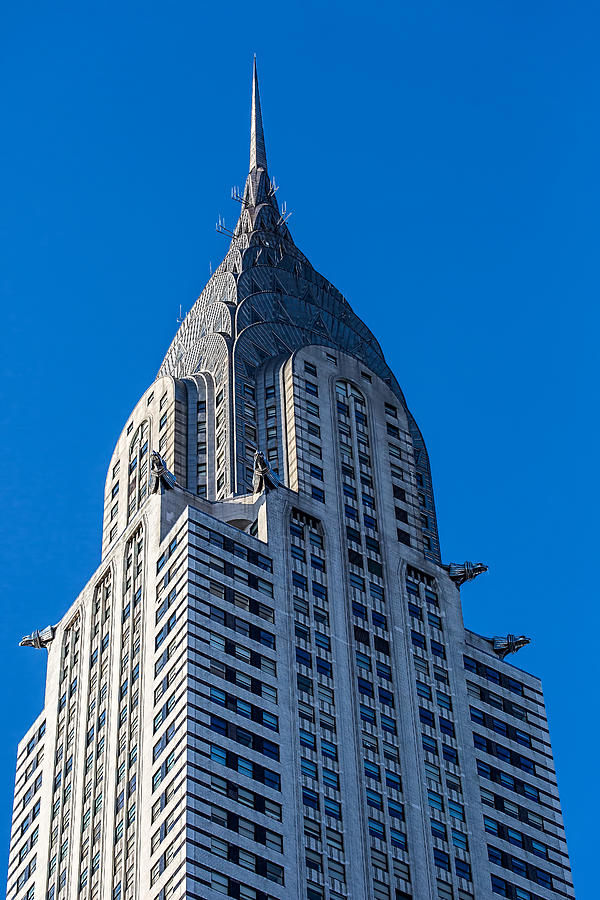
258	155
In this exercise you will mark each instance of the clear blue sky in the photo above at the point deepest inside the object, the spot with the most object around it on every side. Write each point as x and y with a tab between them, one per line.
441	162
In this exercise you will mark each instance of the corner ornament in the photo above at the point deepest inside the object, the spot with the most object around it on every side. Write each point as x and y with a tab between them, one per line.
502	646
264	476
467	571
39	639
160	478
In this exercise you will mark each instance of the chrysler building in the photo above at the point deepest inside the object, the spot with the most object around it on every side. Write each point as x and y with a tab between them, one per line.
266	690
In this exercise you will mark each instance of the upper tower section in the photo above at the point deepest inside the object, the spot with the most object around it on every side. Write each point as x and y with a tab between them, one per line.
263	304
263	259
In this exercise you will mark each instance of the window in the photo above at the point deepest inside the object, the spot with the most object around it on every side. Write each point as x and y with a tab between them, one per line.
426	717
303	658
438	649
432	771
321	640
450	754
414	611
396	810
538	848
310	798
438	830
331	779
304	684
378	620
299	581
298	553
434	620
365	687
446	726
423	690
393	780
377	829
328	749
363	661
374	799
372	544
460	840
435	800
441	859
417	639
324	667
359	609
388	724
367	715
397	838
307	739
456	810
401	514
404	537
319	590
372	770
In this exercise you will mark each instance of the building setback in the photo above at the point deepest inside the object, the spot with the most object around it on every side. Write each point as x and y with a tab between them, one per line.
266	690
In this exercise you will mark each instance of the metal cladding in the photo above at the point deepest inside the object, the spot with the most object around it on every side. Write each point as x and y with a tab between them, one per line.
266	300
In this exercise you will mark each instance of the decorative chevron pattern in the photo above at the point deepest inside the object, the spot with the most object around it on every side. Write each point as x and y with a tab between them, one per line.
266	298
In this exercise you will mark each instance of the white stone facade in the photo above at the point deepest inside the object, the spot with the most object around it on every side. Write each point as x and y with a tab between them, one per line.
272	695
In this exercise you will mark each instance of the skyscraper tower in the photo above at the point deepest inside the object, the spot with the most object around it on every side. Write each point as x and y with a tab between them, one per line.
266	689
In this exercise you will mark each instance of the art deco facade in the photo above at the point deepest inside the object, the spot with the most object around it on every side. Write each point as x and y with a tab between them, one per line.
266	690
